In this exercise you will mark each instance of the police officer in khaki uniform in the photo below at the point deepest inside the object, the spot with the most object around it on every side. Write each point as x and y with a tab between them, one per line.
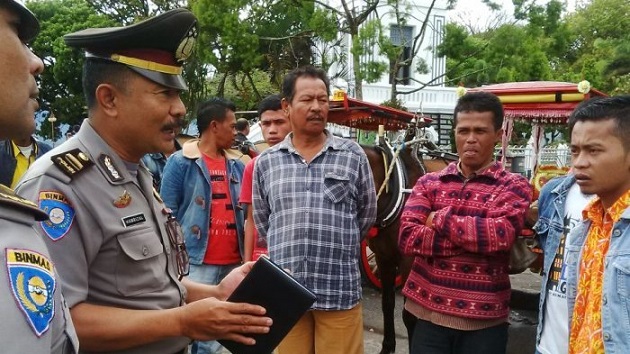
34	315
120	253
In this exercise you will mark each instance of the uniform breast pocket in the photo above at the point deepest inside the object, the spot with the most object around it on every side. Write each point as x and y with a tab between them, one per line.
141	263
621	266
622	273
336	187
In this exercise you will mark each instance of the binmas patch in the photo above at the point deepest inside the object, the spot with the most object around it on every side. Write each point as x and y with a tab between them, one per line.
60	214
33	286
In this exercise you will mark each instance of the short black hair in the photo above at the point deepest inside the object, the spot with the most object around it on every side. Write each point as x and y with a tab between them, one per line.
597	109
213	109
288	84
480	101
98	71
241	124
269	103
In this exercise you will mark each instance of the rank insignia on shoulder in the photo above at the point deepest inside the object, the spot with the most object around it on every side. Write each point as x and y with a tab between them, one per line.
60	214
32	283
110	168
8	196
72	162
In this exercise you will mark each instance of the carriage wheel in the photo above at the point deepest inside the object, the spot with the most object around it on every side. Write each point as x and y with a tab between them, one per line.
369	268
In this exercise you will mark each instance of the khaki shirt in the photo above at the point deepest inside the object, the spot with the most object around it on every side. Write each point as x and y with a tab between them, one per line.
35	318
107	230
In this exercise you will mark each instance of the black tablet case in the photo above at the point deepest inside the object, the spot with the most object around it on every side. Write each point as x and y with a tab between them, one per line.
285	299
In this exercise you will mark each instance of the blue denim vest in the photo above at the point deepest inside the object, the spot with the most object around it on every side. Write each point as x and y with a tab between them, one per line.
186	189
549	229
615	308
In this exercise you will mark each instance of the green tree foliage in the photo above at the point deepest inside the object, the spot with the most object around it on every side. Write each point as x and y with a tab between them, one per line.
130	11
600	52
245	91
229	41
288	34
546	44
60	83
241	38
510	52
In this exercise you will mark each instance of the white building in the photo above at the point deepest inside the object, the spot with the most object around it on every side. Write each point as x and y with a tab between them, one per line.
435	100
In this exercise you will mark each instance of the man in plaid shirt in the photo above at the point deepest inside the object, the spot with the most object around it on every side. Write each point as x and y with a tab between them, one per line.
314	200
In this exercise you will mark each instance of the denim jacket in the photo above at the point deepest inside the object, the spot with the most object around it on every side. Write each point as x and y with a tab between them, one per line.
186	189
549	229
615	309
155	163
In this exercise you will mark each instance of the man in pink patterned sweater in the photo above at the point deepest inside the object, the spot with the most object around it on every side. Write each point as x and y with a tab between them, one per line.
459	225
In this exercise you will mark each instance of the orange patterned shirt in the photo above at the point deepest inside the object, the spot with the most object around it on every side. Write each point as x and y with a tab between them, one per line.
586	326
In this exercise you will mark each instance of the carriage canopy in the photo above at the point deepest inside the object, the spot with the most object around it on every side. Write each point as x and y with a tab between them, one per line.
363	115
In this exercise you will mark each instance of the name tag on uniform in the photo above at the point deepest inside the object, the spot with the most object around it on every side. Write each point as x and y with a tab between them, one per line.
133	219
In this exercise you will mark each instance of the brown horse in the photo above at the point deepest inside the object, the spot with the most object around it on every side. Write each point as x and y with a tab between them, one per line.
390	264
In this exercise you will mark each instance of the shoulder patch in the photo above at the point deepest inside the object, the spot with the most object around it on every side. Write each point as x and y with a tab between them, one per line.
110	168
8	196
32	283
60	214
72	162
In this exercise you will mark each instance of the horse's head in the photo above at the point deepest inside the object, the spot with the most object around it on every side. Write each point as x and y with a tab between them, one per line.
416	128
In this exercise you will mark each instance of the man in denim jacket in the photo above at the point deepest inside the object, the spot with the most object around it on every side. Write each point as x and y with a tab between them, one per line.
201	186
560	206
598	252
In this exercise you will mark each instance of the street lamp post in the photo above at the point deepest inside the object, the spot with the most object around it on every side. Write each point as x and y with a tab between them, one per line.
52	119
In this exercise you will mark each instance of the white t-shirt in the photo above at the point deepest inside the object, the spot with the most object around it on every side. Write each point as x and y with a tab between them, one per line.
26	151
555	334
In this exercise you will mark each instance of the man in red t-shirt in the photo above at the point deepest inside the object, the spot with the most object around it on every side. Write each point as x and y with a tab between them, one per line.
201	185
275	126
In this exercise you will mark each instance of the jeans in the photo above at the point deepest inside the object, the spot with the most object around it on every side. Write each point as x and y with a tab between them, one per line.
429	338
211	275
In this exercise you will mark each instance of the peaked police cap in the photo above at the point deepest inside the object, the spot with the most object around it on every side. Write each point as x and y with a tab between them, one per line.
155	48
29	25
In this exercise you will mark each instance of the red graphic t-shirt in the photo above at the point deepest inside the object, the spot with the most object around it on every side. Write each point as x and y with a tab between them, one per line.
222	237
260	244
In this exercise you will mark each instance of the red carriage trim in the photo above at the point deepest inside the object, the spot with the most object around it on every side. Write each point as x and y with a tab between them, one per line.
368	116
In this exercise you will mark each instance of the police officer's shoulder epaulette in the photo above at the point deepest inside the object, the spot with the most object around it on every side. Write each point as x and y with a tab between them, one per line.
8	197
72	162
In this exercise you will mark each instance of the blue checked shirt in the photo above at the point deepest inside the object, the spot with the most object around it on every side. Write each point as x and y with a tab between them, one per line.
315	214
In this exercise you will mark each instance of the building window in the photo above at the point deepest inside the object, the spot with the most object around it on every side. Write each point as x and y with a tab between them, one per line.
402	36
443	123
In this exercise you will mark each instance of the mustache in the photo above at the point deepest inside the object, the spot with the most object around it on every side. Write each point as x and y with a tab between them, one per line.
177	124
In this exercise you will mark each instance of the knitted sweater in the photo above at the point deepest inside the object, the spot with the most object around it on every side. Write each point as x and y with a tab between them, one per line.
461	262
